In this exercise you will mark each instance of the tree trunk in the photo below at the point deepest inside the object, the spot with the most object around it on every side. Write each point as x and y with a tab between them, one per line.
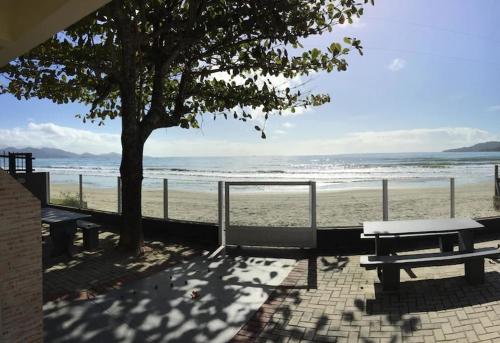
131	236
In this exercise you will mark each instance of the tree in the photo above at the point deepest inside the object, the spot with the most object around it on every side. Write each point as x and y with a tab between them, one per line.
157	64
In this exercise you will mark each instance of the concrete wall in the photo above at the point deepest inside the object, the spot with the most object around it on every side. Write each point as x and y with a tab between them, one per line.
37	184
329	239
156	228
20	263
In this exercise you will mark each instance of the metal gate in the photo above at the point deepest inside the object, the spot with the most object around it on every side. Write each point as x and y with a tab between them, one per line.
269	236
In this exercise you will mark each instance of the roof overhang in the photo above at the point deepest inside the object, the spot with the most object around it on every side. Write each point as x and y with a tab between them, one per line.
24	24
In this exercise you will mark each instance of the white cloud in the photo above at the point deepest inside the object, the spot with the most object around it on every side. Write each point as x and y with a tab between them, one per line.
397	64
494	108
50	135
288	125
413	140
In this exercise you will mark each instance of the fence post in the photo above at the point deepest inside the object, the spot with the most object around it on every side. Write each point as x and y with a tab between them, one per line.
385	201
497	191
12	164
119	189
47	182
165	199
452	197
29	163
220	203
80	187
226	206
312	212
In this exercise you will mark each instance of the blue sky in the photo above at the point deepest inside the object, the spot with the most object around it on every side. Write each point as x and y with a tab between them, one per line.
429	80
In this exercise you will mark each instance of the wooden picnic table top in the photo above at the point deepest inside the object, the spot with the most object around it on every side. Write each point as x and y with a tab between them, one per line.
55	215
416	227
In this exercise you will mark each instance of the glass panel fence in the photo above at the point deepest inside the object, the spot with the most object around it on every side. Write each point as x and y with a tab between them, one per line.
152	198
64	190
193	200
475	200
342	206
285	206
100	193
277	206
417	199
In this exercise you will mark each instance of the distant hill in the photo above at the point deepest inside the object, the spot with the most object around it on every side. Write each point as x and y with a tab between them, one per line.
481	147
58	153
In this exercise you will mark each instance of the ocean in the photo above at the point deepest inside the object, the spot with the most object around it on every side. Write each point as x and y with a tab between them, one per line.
330	171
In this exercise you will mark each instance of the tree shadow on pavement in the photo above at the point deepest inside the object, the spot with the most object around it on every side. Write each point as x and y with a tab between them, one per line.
162	308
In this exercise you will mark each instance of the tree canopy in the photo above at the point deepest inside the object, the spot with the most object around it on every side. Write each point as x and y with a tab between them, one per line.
169	51
165	63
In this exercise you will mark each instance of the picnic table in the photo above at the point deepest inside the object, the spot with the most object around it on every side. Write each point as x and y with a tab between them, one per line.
463	227
388	264
62	228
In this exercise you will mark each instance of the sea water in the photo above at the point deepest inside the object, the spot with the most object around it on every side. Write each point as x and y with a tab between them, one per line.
335	172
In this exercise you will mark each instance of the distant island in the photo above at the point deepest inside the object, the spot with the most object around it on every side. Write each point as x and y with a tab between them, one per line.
481	147
57	153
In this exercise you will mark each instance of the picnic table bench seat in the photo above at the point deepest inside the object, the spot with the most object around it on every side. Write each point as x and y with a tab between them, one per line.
390	265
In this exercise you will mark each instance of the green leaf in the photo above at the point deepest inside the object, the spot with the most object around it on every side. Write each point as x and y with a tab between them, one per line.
315	53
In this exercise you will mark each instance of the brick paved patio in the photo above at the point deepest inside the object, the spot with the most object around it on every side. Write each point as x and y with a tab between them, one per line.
324	299
332	299
92	272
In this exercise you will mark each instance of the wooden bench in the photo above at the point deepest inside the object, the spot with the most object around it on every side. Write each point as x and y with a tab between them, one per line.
390	265
90	234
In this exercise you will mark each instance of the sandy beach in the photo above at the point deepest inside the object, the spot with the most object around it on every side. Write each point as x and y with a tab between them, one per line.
334	208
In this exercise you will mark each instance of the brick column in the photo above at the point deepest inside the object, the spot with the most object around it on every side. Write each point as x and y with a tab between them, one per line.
20	263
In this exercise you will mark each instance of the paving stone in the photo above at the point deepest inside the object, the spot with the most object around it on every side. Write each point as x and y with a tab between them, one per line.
105	268
347	304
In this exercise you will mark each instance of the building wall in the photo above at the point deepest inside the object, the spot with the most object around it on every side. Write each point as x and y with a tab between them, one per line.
20	263
37	184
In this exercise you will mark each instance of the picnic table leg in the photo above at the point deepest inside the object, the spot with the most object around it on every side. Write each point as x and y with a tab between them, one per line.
473	269
466	240
382	248
378	253
377	245
390	278
388	275
62	235
446	243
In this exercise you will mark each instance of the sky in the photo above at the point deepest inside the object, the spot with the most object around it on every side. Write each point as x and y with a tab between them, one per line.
429	80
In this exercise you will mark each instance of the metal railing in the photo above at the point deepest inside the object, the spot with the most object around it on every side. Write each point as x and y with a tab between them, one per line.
385	199
497	182
18	162
223	219
223	194
266	235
